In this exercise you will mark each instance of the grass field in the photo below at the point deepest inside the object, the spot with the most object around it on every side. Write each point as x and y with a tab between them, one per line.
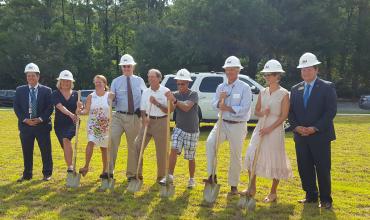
51	200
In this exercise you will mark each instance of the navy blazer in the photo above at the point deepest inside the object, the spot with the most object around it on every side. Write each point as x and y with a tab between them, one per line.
320	112
44	106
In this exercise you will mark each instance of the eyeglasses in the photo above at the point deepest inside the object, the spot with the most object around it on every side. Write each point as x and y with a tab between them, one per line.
126	66
181	84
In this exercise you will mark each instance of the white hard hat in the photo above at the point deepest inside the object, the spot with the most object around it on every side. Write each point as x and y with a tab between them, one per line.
272	66
31	67
66	75
307	60
232	61
127	59
183	74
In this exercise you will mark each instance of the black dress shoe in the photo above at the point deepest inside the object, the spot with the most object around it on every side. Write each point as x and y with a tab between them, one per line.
308	200
46	178
326	205
23	178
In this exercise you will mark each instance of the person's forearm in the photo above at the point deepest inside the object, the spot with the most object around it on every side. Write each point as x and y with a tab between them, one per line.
184	106
64	110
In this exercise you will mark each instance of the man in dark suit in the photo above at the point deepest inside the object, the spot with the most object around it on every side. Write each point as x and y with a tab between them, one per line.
33	108
313	107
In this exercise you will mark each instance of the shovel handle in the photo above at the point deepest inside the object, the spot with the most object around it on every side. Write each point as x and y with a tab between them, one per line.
142	143
110	101
76	134
168	137
218	132
256	155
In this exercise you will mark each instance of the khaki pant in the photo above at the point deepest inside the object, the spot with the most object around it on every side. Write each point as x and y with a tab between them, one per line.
157	130
130	125
235	134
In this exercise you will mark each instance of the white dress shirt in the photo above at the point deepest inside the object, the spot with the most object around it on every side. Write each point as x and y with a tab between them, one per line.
159	96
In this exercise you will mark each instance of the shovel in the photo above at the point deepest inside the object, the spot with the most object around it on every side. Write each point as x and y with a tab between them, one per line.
108	181
135	184
168	189
73	178
212	189
247	200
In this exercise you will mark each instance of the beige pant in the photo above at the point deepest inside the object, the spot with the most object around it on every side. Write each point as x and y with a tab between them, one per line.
130	125
235	134
157	130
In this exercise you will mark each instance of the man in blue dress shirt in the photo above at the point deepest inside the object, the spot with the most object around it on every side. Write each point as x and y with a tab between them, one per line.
235	111
127	89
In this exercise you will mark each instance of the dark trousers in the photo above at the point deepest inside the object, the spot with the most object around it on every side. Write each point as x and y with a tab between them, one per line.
314	159
42	135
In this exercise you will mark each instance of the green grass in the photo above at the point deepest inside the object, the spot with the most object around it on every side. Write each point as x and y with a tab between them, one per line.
50	200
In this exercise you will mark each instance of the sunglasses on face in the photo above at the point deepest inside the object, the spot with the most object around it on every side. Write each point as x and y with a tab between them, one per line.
181	84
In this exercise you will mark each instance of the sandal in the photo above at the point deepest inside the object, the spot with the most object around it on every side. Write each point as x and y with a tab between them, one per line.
270	198
84	171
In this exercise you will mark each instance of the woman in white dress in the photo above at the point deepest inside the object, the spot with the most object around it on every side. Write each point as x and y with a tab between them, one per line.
272	109
97	106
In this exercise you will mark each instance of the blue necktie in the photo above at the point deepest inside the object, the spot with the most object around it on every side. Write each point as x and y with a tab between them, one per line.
33	103
306	95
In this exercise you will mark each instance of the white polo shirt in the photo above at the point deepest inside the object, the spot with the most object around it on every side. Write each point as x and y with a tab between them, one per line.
159	96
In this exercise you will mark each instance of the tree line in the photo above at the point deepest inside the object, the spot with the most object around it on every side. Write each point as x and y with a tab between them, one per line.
88	37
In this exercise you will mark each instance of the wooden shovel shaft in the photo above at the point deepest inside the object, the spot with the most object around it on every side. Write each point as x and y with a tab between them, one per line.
256	155
76	134
143	142
109	134
218	132
168	136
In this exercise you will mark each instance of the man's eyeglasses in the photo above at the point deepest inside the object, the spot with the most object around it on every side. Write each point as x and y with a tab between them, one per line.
126	66
181	84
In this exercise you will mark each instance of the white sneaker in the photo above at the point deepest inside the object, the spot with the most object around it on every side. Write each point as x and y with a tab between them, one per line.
164	180
191	183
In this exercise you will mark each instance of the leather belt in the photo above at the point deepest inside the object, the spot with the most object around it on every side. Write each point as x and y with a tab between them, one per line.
126	113
232	122
157	117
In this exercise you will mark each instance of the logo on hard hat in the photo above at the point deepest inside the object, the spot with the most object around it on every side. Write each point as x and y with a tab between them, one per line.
304	61
267	67
181	74
125	60
228	61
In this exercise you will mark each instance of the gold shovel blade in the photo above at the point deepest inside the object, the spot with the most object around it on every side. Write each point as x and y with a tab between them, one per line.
73	180
211	192
134	185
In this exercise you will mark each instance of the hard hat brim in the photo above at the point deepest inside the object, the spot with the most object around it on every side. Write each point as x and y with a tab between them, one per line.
269	71
186	79
308	65
121	64
59	78
240	67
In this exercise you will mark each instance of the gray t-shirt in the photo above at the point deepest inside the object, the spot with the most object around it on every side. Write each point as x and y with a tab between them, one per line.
187	121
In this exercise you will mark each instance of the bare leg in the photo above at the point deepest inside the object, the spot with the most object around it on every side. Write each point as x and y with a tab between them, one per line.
89	152
104	158
275	183
172	162
68	151
252	190
191	168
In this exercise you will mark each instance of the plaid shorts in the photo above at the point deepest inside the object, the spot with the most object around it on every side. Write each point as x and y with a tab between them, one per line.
188	141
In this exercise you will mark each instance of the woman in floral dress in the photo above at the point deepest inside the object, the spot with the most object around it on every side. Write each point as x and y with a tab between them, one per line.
97	106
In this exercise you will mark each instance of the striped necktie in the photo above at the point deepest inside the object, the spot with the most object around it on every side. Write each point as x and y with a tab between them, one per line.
33	103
